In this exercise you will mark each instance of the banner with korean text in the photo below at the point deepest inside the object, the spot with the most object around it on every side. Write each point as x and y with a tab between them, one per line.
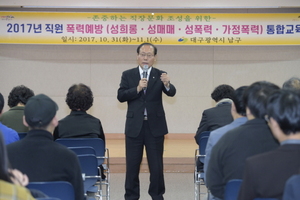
157	28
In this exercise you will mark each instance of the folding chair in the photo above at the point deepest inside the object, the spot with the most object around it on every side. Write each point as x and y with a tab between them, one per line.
90	174
102	155
232	189
199	156
291	189
57	189
83	150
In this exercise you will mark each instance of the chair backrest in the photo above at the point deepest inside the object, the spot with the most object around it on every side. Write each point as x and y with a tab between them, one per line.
291	189
89	169
232	189
97	143
202	144
83	150
22	135
57	189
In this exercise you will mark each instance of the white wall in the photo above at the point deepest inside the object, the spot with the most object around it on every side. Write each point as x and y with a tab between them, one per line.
194	70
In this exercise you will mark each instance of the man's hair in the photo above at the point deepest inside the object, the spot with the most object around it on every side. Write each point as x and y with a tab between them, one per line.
19	94
79	97
140	46
1	102
292	83
284	107
256	95
221	92
238	100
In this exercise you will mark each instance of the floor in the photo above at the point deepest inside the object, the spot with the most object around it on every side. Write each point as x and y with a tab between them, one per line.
178	163
179	154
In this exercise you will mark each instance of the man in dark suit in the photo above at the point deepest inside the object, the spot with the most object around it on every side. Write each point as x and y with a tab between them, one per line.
265	175
146	125
220	115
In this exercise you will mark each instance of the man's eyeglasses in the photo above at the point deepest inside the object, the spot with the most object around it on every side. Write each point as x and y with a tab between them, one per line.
147	55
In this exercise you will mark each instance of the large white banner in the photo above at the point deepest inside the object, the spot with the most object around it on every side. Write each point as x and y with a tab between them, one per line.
157	28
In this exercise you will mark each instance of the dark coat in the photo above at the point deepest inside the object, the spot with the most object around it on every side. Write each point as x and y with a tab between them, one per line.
137	102
214	118
42	159
229	155
265	175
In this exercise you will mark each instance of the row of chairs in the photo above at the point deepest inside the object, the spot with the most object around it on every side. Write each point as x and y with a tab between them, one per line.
233	186
91	153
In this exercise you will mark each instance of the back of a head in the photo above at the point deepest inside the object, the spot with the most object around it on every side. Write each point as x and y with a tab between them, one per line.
221	92
19	94
293	84
284	107
1	103
238	100
256	95
79	97
39	111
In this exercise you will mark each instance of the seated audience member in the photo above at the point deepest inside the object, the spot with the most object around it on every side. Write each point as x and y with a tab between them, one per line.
79	124
9	134
12	182
38	155
228	156
17	99
292	83
265	175
238	112
220	115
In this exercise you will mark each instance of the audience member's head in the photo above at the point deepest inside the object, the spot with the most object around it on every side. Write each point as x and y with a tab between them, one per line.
255	97
292	83
238	100
284	107
19	95
4	173
221	92
1	103
40	112
79	97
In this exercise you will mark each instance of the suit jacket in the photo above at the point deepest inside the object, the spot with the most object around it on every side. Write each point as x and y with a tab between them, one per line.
228	156
137	102
214	118
265	175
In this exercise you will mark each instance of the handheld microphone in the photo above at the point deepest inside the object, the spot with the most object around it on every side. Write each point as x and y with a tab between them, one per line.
145	70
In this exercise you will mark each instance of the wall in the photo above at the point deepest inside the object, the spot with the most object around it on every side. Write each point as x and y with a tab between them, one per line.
194	70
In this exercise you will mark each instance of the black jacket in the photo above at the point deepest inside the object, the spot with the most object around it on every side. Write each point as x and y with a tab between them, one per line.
42	159
137	102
